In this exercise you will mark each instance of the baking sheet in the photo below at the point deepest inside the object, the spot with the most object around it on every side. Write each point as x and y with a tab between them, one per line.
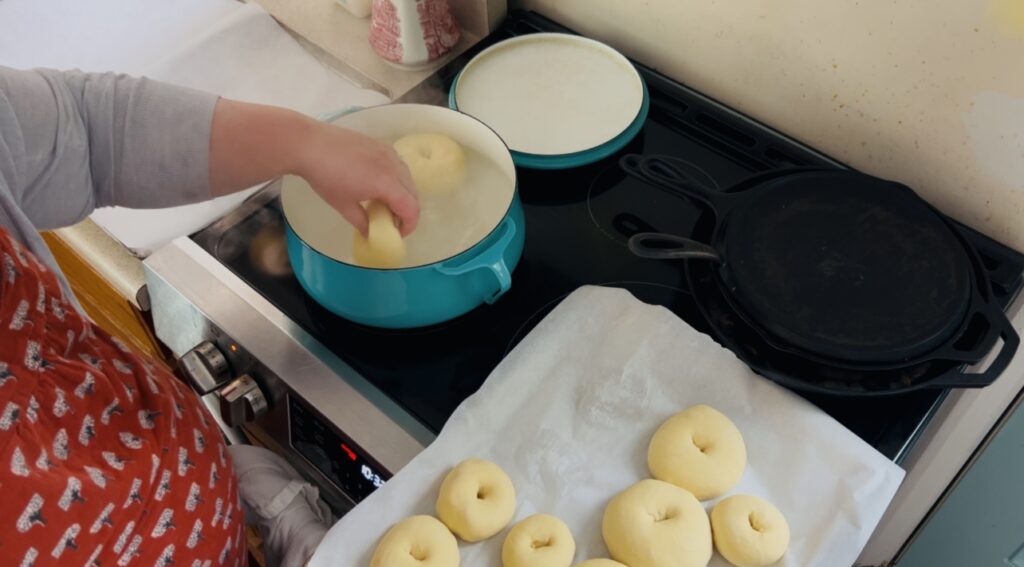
568	414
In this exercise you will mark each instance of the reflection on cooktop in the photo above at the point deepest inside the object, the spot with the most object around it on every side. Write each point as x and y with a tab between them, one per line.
620	206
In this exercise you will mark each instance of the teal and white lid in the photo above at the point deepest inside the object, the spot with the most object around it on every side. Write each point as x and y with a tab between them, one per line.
557	100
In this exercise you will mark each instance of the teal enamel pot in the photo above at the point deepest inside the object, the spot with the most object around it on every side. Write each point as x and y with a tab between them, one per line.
433	291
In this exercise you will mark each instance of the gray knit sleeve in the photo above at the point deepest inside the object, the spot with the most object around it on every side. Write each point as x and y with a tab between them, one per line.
75	141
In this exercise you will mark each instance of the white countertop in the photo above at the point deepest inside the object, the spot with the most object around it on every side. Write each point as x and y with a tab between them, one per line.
221	46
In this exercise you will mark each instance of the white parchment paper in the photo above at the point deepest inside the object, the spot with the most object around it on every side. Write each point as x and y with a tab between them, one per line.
569	413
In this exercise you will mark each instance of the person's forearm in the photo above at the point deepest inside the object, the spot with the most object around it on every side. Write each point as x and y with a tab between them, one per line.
251	143
87	140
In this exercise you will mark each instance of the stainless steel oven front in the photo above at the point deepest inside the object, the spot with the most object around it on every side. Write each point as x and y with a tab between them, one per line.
264	377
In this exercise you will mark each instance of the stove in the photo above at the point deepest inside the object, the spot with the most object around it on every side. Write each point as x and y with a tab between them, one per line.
350	405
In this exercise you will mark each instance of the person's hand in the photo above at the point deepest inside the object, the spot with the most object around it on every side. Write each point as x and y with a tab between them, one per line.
346	168
252	143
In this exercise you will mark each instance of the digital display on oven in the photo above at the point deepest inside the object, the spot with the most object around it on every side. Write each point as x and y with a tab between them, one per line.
333	454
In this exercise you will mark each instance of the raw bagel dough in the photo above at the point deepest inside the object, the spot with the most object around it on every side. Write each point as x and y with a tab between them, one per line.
419	541
749	531
437	163
538	541
657	524
700	450
477	500
383	246
600	563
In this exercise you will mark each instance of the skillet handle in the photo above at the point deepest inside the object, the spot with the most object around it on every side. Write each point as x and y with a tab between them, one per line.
1011	342
658	246
665	173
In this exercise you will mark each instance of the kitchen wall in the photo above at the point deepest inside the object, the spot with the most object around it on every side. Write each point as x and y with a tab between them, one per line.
927	93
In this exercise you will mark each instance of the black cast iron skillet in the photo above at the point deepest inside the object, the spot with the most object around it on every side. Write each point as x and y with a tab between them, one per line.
840	267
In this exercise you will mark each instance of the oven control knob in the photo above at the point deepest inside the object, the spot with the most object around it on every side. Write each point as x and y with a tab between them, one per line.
241	401
206	367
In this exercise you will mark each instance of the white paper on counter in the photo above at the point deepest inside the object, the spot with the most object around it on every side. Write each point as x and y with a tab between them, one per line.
222	46
569	413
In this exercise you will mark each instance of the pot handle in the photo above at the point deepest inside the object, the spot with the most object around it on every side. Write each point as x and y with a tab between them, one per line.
332	116
1011	342
658	246
491	258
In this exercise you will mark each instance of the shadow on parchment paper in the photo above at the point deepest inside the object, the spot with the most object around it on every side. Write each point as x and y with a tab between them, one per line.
552	463
614	396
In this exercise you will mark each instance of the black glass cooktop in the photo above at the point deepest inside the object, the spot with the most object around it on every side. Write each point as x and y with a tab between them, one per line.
577	222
